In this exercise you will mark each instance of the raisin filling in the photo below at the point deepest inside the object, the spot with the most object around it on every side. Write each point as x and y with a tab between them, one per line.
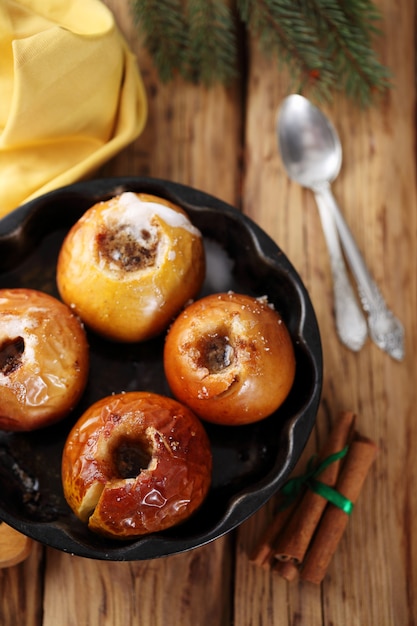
130	252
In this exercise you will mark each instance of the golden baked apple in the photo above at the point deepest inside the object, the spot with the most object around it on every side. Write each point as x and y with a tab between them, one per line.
129	265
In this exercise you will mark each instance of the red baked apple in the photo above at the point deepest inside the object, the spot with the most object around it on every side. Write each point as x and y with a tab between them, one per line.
136	463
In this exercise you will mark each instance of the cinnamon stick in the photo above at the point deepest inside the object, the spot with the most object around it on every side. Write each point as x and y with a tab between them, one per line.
263	554
292	543
287	570
362	453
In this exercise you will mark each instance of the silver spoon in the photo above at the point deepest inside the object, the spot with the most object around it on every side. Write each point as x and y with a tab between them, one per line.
312	154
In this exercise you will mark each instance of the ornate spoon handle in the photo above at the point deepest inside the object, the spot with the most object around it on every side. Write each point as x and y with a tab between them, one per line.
385	329
350	322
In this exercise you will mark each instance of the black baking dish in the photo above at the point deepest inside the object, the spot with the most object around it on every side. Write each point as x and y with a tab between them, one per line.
250	463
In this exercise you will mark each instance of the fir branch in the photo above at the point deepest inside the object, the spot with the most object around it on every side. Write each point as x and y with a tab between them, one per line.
365	15
212	50
347	44
283	30
326	44
165	31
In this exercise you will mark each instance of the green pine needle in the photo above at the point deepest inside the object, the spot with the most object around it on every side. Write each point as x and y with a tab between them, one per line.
283	32
211	52
326	44
347	35
165	31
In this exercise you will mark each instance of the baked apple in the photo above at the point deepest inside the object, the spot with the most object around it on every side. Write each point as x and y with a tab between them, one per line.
44	359
129	265
230	358
136	463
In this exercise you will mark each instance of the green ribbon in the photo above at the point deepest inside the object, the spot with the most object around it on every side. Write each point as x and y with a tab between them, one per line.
294	486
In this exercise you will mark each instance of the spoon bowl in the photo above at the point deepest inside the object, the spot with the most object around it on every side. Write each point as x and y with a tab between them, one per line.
308	142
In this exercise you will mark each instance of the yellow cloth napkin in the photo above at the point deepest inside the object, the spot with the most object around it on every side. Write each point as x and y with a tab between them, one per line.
71	95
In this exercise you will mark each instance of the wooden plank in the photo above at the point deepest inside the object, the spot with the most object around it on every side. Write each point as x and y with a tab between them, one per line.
192	135
377	192
185	589
22	591
187	128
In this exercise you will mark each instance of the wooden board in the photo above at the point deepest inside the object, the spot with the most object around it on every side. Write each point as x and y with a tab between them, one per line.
222	141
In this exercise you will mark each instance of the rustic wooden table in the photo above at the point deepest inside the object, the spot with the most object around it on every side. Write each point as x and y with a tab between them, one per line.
222	141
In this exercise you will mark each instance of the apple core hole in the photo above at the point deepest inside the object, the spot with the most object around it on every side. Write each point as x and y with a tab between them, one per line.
131	458
215	352
11	353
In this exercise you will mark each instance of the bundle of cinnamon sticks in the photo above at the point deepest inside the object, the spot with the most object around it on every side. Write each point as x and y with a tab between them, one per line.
304	534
